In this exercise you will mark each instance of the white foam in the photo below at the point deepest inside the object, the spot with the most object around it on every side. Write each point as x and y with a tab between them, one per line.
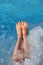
36	44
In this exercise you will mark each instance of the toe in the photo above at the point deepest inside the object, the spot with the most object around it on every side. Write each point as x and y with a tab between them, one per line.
22	23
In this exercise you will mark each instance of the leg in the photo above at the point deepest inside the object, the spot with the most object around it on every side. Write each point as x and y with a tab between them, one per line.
26	44
17	50
18	44
26	48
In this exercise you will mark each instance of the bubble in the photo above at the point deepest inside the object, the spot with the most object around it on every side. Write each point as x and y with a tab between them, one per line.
35	44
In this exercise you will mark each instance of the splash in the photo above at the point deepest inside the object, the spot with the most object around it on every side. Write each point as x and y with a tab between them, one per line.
35	39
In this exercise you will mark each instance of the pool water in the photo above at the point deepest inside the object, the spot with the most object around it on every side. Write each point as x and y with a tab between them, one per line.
12	11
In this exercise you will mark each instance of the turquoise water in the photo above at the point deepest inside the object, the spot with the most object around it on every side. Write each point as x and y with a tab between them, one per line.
11	11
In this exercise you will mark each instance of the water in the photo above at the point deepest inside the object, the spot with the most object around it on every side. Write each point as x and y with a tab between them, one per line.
11	11
36	43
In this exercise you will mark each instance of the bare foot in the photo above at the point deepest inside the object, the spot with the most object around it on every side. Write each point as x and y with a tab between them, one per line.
24	29
19	30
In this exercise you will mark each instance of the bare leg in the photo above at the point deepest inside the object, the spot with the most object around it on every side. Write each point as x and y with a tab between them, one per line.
26	48
22	32
26	44
18	50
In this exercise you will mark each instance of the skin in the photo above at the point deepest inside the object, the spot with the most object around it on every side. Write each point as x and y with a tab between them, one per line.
22	31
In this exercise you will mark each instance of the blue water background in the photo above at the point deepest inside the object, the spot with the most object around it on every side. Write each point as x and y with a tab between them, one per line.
11	11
